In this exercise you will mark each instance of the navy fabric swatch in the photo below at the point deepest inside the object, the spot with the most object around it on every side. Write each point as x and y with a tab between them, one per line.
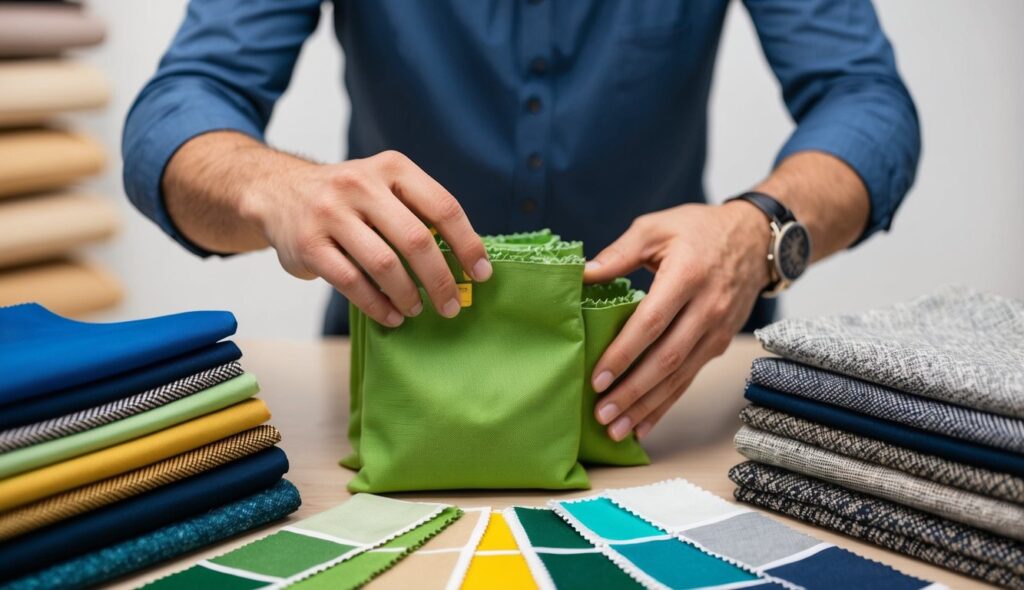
837	569
897	434
42	352
141	514
119	386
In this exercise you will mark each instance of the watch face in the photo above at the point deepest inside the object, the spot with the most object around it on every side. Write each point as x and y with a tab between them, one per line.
793	251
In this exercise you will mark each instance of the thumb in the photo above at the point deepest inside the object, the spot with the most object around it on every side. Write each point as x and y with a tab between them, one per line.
622	257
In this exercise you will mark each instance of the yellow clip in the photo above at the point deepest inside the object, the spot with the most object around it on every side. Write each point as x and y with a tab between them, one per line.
465	294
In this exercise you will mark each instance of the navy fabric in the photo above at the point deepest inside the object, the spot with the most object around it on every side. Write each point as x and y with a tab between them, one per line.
42	352
838	569
120	386
912	438
141	514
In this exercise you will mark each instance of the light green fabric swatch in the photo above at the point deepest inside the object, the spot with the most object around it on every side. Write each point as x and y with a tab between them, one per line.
209	400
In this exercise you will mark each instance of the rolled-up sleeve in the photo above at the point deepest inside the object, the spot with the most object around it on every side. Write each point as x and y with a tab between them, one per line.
226	67
840	83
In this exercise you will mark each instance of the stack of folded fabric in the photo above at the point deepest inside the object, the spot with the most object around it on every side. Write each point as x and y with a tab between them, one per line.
124	444
43	218
902	426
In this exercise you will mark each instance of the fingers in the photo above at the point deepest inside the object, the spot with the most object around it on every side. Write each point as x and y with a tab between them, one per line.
622	257
382	264
328	262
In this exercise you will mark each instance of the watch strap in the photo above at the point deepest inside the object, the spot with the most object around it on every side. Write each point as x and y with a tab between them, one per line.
771	206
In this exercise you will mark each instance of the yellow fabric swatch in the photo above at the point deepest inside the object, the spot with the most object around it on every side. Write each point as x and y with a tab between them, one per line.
28	487
498	571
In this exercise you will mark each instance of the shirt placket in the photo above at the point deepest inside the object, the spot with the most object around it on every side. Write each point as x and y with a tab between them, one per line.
533	121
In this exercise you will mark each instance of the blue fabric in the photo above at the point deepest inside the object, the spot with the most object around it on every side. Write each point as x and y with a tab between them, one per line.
838	569
897	434
41	352
578	116
168	542
141	514
609	521
119	386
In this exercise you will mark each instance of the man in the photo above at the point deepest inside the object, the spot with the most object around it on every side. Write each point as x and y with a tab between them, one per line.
588	117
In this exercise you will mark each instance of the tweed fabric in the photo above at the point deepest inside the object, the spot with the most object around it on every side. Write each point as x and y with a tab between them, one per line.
883	402
30	434
973	509
958	346
959	475
84	499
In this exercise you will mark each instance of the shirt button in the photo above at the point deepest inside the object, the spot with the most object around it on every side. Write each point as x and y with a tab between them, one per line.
529	205
539	66
533	105
534	161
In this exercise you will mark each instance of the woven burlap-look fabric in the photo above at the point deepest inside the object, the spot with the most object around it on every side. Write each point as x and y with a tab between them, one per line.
108	491
30	434
959	475
972	509
936	540
957	345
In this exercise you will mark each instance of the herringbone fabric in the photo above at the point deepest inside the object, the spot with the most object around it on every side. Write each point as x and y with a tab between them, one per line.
883	402
935	540
959	475
31	434
102	493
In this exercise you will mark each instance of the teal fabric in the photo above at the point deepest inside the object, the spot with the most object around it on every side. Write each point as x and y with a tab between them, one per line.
681	565
609	521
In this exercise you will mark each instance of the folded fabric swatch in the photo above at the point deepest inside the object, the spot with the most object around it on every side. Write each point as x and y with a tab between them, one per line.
868	515
957	345
882	402
46	159
31	337
498	563
168	542
204	402
46	28
108	491
559	557
308	547
140	514
67	287
752	540
955	504
959	475
36	90
897	434
356	572
40	483
31	434
41	227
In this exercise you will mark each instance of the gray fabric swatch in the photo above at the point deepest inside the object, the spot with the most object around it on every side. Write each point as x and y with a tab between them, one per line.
743	538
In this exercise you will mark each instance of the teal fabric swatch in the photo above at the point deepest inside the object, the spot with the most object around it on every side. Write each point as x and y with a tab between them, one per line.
681	565
609	521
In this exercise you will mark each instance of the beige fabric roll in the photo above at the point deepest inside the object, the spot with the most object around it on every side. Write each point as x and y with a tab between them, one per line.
46	226
38	89
44	159
64	287
46	28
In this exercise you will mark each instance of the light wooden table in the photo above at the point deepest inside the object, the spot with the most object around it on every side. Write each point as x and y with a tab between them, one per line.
306	383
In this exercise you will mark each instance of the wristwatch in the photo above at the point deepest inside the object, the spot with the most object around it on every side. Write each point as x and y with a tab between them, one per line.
790	250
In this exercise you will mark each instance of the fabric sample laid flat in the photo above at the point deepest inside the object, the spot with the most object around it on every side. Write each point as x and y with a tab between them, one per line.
31	434
41	227
108	491
742	536
144	513
168	542
498	563
912	438
958	346
882	402
309	546
46	28
45	159
67	287
31	337
955	504
209	400
959	475
36	90
59	477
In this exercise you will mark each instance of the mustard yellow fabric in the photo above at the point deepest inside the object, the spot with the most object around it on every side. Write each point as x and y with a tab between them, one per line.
498	571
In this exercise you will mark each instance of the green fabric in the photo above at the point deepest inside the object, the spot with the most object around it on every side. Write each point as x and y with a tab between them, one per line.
367	519
209	400
197	578
283	554
547	529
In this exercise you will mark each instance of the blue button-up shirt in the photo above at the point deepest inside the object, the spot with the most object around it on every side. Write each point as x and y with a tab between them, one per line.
575	115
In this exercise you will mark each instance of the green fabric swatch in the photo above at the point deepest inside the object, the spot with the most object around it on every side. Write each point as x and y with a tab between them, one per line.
283	554
209	400
196	578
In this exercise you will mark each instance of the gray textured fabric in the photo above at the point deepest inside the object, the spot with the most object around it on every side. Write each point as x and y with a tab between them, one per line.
742	538
958	345
959	475
883	402
972	509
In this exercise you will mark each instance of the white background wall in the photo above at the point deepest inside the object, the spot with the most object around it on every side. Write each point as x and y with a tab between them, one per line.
962	222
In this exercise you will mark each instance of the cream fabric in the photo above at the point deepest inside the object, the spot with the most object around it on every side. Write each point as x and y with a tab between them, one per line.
64	287
36	90
45	226
44	159
46	28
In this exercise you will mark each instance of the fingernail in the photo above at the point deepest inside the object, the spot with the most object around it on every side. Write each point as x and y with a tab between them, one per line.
482	269
592	265
416	310
394	319
642	430
607	413
603	380
620	429
450	309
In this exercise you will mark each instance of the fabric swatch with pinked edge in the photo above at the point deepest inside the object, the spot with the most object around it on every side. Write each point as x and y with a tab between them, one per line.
498	563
